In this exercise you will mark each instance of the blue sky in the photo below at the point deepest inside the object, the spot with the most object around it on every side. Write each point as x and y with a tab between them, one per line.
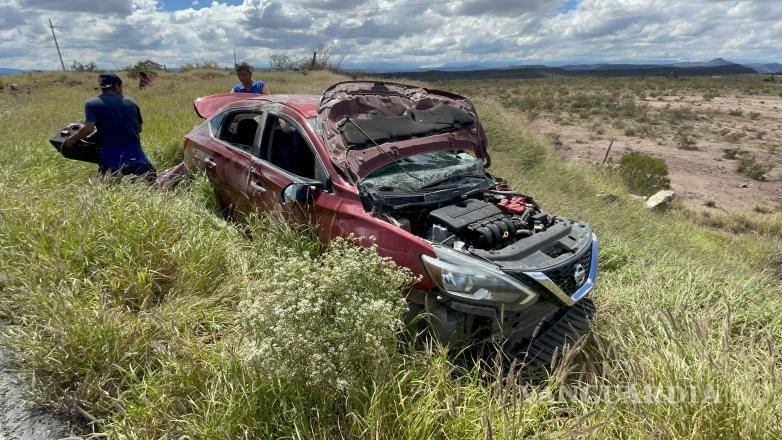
567	6
175	5
404	33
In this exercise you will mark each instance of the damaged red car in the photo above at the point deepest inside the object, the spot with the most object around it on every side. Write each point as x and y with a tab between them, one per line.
407	166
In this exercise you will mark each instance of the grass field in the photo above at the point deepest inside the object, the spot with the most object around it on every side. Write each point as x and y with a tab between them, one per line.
142	308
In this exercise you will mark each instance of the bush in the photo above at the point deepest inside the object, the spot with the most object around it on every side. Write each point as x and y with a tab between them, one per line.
325	324
643	174
148	66
89	67
749	166
733	137
685	140
731	153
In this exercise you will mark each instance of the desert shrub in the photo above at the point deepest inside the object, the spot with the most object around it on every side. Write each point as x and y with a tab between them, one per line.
734	137
532	115
731	153
597	128
643	174
675	116
685	140
754	116
735	112
749	166
327	323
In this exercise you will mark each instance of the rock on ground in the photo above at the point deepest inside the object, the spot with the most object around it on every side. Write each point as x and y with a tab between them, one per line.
660	200
607	197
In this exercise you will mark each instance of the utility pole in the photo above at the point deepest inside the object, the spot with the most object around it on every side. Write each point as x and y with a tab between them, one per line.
56	45
234	57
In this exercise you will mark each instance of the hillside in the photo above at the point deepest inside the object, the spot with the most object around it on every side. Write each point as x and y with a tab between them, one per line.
600	70
137	307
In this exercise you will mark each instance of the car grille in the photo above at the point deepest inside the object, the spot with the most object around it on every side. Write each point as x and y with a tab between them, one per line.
563	275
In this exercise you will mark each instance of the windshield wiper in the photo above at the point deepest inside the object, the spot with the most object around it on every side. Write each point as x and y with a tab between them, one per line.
445	179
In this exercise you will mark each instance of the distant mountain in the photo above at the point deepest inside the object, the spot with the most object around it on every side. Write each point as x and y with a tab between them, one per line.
9	71
765	68
716	62
610	70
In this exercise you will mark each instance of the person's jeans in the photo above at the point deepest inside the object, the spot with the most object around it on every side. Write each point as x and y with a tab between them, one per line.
144	170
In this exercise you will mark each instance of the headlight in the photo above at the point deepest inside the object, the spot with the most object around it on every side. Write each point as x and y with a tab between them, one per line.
470	279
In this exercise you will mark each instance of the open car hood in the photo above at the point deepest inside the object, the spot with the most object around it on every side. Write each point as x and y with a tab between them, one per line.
368	124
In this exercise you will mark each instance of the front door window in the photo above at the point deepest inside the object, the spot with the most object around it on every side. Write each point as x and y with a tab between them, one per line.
285	147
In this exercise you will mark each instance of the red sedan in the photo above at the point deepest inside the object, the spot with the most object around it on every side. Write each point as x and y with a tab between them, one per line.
406	167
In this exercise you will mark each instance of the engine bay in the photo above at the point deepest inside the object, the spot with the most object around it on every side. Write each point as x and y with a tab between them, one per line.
489	220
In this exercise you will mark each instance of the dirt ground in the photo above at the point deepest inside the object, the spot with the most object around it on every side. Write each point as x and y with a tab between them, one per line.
702	176
21	419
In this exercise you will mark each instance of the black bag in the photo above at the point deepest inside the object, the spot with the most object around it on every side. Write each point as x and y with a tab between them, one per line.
86	150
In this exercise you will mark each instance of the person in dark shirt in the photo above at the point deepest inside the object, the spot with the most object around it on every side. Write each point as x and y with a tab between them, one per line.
118	120
246	84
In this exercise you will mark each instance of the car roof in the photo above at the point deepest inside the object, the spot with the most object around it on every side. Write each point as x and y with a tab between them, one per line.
307	105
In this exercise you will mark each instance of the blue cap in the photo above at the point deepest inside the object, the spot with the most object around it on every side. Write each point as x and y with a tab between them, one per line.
106	80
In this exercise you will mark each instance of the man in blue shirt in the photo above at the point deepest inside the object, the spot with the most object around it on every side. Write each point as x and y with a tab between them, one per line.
246	84
118	120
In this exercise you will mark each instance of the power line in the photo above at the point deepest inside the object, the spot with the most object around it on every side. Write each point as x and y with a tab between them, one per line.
57	45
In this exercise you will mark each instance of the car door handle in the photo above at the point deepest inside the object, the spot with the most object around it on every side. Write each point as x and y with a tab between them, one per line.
209	163
257	187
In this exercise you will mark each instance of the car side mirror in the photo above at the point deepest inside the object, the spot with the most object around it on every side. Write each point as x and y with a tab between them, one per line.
300	193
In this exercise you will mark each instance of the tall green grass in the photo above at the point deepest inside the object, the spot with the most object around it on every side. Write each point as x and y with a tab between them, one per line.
125	303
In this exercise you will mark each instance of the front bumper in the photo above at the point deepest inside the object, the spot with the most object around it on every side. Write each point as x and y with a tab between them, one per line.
577	276
552	337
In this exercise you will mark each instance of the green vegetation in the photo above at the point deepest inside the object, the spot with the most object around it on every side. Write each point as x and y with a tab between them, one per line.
731	153
685	140
149	67
143	308
643	174
749	166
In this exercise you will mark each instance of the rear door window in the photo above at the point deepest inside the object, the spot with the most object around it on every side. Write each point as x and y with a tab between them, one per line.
214	124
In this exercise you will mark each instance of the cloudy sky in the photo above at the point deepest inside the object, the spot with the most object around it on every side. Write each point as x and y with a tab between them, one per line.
397	32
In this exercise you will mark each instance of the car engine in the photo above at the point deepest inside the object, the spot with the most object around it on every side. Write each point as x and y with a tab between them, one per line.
491	222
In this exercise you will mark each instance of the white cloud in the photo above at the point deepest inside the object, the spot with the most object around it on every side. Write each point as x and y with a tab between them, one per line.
119	32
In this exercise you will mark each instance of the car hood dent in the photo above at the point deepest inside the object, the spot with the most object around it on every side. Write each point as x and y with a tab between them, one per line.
355	98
